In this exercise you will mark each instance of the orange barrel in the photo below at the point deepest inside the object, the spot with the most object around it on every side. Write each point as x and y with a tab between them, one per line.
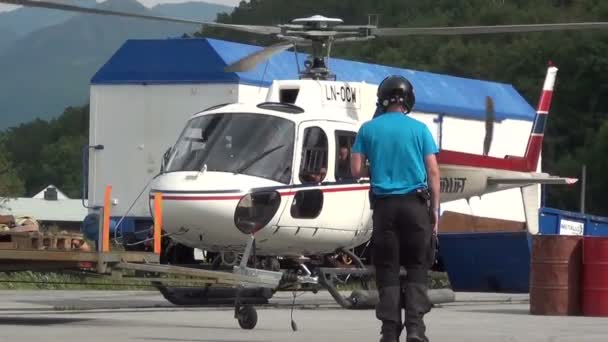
595	276
555	274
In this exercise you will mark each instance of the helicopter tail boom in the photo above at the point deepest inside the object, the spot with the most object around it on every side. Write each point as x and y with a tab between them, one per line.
527	163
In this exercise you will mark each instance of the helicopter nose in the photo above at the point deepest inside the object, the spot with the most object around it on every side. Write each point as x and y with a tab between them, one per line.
255	210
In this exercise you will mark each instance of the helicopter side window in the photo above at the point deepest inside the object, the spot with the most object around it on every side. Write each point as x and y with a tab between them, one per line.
344	143
307	204
313	168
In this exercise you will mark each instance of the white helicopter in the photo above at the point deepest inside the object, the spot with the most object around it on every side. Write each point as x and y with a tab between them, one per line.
280	169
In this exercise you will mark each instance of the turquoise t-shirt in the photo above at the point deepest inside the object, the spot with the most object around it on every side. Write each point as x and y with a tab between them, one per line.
395	145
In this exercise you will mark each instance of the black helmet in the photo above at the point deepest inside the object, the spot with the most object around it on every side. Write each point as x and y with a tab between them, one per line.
396	89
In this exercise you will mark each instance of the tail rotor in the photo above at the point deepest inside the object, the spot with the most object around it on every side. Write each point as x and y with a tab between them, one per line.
490	117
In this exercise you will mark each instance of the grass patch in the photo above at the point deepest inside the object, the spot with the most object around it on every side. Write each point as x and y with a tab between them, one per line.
28	280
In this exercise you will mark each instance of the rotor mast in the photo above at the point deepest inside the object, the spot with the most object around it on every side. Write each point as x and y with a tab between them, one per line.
317	30
316	64
320	33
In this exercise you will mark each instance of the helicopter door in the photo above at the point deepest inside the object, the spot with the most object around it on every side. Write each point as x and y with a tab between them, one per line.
307	199
346	199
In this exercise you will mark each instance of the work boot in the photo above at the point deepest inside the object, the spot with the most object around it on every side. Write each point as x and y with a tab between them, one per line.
389	332
416	337
417	304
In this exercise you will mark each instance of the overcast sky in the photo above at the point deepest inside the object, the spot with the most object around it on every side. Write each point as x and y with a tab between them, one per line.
150	3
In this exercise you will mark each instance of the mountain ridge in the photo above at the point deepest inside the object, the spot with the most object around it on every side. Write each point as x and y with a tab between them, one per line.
25	20
50	69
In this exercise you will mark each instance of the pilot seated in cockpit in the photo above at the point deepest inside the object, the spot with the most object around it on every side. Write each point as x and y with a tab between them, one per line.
315	177
320	176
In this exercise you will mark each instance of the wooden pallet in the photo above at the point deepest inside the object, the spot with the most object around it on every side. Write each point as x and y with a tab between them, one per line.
41	241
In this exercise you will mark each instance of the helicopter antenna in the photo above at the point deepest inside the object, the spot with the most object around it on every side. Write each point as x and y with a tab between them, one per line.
329	44
295	52
265	69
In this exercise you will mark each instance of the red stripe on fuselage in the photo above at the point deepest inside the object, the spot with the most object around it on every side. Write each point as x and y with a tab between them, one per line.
535	145
328	190
202	198
291	192
352	188
475	160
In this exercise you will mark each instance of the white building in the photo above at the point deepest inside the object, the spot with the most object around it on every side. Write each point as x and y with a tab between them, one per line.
141	98
50	206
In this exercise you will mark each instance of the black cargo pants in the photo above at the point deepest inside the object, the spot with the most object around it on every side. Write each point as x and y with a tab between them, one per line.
403	236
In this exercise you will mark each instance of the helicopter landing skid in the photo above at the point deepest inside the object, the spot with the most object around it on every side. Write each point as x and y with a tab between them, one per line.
243	287
213	296
246	286
363	299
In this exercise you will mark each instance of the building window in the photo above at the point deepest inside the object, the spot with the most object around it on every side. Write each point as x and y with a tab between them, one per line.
313	168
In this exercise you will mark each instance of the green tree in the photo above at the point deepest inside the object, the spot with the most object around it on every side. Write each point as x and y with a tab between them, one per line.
10	183
49	152
597	164
60	164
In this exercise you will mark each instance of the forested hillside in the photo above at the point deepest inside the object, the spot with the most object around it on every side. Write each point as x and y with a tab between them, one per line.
577	131
44	152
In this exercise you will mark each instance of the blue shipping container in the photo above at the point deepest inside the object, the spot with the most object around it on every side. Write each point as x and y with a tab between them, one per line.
500	262
555	222
486	262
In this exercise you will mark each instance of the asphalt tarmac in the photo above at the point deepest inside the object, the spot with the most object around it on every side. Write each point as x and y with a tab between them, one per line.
106	316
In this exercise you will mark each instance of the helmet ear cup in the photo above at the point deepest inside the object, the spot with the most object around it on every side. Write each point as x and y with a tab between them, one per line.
412	101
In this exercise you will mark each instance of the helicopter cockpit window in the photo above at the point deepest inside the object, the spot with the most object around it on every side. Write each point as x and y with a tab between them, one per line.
313	167
242	143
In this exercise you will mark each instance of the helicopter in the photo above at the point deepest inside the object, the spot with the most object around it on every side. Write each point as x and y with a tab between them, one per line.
278	170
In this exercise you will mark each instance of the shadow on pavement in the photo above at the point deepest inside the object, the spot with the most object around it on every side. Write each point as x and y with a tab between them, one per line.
40	321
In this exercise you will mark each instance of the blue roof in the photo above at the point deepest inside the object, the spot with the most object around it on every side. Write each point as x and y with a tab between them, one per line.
179	61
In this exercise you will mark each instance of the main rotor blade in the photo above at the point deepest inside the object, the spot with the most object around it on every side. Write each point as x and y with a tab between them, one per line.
249	62
74	8
464	30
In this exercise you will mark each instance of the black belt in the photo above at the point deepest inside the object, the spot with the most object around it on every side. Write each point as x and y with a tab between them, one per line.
422	193
418	192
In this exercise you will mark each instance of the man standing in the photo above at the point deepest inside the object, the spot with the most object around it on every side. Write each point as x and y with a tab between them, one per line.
405	194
